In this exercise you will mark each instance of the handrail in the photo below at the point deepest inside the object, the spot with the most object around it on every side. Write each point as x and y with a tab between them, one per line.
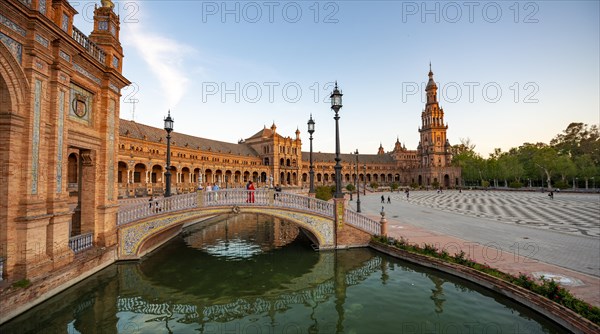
81	242
90	46
242	197
362	222
156	206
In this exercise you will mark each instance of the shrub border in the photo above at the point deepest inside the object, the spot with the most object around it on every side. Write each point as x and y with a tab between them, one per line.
557	313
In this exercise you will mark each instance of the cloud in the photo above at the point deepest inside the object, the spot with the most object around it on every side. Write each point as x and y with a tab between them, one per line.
165	58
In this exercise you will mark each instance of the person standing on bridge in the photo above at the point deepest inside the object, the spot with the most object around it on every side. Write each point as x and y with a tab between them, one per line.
251	189
215	188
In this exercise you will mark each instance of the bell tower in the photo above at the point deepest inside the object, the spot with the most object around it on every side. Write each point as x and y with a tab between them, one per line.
434	148
106	34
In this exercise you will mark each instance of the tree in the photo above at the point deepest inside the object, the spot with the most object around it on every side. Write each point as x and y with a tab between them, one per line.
579	139
546	158
586	168
464	156
325	192
525	154
565	167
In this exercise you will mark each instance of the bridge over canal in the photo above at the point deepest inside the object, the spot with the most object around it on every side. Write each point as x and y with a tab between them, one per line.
144	226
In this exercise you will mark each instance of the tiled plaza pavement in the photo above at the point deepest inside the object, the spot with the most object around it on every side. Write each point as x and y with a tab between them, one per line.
513	231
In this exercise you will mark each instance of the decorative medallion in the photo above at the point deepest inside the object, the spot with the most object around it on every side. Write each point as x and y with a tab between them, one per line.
79	105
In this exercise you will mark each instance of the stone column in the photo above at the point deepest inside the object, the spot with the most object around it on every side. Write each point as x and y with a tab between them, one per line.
339	206
383	222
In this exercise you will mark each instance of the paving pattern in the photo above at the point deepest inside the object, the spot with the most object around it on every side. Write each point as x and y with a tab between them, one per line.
577	214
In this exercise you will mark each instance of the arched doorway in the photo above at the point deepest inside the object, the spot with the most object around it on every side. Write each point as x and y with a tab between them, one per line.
157	179
208	176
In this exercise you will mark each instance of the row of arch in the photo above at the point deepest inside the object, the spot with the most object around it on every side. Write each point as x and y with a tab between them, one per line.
142	174
282	162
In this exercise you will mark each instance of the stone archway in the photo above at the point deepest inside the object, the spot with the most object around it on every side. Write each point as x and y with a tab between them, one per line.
14	89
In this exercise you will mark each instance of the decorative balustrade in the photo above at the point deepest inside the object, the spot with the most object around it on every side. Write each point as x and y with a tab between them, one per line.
362	222
311	204
133	212
81	242
231	197
242	197
90	46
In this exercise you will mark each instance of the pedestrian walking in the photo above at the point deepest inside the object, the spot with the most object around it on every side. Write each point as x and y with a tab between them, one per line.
407	193
551	194
382	199
389	201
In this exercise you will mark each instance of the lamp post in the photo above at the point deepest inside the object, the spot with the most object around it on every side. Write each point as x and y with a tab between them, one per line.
336	105
365	180
311	130
357	190
168	127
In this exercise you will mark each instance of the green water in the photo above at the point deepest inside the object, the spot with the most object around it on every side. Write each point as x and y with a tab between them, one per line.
256	274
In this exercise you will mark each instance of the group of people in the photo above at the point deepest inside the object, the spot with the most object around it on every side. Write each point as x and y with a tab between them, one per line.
214	187
156	204
383	199
406	191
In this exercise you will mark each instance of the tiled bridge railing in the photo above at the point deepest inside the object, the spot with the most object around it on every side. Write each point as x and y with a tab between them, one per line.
241	197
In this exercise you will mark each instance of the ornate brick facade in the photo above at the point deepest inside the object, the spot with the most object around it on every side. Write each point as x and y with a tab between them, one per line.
268	158
59	94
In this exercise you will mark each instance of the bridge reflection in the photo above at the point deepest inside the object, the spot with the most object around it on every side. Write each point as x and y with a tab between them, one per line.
159	301
186	286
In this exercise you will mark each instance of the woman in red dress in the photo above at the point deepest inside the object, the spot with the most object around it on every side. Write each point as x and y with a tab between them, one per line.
251	192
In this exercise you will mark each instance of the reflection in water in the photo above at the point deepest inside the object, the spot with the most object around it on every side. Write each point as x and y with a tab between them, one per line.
437	293
256	274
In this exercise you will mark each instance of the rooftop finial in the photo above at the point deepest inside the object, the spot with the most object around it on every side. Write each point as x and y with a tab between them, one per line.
107	4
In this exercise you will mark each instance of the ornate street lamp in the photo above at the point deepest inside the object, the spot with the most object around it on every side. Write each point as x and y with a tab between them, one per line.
311	130
357	190
336	105
168	127
365	180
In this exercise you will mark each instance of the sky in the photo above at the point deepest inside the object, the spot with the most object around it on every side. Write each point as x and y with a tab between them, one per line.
508	72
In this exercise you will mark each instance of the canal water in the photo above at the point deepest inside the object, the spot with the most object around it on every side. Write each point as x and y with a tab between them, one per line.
257	274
